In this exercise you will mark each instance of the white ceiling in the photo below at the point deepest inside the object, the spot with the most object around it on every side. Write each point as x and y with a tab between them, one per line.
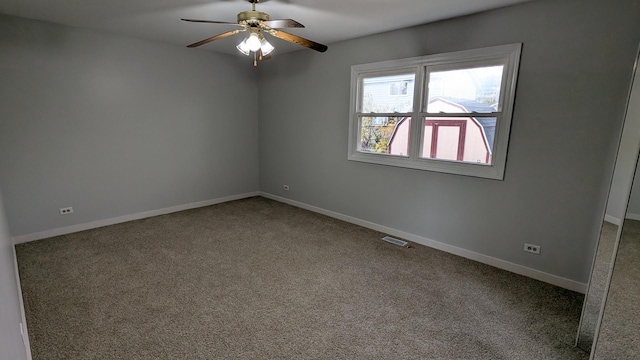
326	21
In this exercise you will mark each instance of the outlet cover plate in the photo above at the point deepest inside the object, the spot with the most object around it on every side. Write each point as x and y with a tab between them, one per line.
66	211
534	249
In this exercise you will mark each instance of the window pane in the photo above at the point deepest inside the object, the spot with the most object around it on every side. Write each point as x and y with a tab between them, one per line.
466	139
385	135
388	94
465	90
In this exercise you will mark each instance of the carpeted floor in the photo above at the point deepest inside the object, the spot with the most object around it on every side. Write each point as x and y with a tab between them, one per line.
258	279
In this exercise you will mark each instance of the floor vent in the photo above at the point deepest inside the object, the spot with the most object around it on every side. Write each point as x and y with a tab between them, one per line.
394	241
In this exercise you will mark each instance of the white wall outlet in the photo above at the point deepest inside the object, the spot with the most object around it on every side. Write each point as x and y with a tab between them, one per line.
285	187
534	249
66	211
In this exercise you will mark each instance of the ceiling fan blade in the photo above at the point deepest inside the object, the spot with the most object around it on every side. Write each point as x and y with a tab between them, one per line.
211	22
298	40
214	38
282	23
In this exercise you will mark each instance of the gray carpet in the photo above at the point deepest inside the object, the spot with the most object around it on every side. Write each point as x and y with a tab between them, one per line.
619	336
258	279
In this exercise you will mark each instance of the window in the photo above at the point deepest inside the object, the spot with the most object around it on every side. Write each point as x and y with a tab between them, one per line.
399	88
447	112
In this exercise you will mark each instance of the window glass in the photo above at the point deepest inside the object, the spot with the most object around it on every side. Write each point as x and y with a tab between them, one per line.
468	90
388	94
385	135
465	139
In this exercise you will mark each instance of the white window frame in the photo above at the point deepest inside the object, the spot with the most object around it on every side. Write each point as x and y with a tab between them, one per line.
507	55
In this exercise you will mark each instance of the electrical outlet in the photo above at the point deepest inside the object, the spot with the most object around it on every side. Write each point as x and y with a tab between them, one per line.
534	249
285	187
66	211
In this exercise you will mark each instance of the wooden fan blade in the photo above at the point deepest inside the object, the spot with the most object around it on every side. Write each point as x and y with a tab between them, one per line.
211	22
214	38
282	23
298	40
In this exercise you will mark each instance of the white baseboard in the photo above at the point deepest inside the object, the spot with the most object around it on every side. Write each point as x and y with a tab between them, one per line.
485	259
613	220
631	216
120	219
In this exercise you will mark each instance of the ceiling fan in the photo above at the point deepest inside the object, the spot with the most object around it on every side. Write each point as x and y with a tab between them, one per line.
258	23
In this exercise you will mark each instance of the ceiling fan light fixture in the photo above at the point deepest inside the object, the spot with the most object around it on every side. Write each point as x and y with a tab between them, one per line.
265	47
256	24
253	42
243	47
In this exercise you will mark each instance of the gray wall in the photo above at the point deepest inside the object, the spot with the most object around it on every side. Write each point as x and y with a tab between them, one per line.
11	346
115	126
574	77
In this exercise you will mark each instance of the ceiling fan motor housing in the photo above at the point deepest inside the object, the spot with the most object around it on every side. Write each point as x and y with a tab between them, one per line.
252	18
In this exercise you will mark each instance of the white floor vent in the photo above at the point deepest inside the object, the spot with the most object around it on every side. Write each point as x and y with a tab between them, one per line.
394	241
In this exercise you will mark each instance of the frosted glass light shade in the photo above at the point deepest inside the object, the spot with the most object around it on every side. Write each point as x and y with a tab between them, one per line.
266	47
253	42
243	47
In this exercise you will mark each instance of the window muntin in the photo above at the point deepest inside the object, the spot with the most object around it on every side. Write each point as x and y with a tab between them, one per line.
461	102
